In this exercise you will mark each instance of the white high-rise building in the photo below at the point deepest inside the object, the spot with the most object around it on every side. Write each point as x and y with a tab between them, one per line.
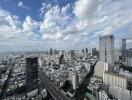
106	49
40	62
74	81
73	77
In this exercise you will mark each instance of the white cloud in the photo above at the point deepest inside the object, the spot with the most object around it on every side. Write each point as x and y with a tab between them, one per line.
86	8
21	4
12	28
92	17
29	24
69	26
129	33
8	24
56	19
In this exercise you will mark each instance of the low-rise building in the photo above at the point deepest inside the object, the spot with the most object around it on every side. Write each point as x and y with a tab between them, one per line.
103	95
119	93
111	78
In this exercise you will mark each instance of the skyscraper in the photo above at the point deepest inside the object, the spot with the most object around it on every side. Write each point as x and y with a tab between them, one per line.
82	50
61	59
95	52
129	57
51	51
72	54
31	73
73	77
124	50
86	49
106	49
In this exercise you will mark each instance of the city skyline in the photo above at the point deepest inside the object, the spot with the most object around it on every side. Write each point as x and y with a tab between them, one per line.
65	49
27	25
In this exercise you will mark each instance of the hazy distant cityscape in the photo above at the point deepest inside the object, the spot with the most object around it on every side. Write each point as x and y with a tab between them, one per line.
65	50
68	75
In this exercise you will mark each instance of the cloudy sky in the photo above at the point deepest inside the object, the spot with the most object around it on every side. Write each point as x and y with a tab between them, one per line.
63	24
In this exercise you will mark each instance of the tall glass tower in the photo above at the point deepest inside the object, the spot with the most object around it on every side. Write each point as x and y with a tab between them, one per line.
31	73
124	50
106	49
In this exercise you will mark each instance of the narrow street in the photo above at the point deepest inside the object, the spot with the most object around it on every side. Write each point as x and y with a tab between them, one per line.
3	94
80	93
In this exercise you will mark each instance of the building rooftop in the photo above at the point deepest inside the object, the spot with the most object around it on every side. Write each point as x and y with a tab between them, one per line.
115	74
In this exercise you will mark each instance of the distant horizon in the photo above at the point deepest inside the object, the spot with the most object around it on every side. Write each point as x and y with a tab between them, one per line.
21	51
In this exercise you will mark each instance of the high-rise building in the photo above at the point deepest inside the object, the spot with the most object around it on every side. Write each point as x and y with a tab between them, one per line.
117	55
72	54
61	59
86	49
124	50
94	52
106	49
40	62
86	52
63	52
55	51
31	73
83	51
51	51
129	58
73	77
